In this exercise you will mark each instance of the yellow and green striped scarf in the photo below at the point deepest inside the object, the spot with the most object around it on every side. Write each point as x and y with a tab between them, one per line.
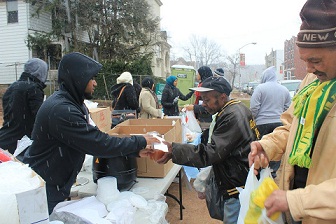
311	106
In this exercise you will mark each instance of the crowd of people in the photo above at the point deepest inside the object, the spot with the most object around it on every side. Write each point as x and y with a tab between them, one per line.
299	134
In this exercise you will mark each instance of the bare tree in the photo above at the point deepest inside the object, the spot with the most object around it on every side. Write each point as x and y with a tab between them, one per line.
233	67
203	51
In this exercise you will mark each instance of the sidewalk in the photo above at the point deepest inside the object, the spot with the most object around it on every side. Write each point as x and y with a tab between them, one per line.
195	212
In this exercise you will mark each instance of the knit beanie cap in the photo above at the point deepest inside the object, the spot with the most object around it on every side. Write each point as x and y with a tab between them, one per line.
38	68
318	28
125	77
219	72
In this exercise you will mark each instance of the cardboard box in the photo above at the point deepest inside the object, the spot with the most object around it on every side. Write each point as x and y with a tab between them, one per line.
171	133
32	205
150	122
150	125
101	117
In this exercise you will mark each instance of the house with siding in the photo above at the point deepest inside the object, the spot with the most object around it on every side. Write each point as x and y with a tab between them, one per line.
17	22
15	25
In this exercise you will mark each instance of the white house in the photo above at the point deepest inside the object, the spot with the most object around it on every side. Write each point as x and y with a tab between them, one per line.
16	23
161	59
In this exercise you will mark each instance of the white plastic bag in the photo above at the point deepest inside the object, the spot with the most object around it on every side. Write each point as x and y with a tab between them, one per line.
192	123
244	194
201	179
252	183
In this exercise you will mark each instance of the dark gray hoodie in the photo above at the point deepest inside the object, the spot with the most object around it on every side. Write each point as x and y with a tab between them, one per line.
20	103
38	68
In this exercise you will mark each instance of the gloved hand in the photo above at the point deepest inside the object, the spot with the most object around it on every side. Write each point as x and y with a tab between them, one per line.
176	100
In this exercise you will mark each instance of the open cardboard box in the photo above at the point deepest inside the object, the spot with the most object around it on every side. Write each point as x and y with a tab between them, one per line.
171	133
101	117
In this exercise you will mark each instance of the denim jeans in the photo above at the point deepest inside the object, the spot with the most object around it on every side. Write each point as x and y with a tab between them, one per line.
231	211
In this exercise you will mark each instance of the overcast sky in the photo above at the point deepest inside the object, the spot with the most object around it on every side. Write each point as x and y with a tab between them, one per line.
232	24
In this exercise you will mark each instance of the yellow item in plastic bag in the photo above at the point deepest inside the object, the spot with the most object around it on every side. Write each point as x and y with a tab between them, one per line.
257	200
253	213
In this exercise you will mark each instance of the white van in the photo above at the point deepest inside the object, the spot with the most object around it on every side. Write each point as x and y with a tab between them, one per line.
291	85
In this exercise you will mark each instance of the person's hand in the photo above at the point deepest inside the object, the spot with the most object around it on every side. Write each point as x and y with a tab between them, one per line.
175	101
276	202
167	156
258	157
189	107
201	195
147	152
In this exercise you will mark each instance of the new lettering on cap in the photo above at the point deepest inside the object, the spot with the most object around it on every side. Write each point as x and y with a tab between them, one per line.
318	28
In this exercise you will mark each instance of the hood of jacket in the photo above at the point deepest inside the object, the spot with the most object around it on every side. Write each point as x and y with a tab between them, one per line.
74	72
269	75
37	68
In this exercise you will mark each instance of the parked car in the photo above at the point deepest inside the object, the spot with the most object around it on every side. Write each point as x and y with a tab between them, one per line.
291	85
251	86
244	87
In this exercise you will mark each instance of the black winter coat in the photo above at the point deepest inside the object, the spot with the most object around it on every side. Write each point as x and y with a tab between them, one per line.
20	104
167	100
63	135
228	150
202	114
128	99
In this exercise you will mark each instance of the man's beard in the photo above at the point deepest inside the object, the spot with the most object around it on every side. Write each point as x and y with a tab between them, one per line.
88	96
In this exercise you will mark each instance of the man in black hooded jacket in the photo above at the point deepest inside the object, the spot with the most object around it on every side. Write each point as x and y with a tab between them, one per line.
21	102
62	134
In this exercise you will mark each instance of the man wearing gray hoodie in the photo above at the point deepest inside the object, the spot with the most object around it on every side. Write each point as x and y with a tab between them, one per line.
268	101
21	102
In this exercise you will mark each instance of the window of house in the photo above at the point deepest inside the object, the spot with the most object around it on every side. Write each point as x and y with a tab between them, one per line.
12	11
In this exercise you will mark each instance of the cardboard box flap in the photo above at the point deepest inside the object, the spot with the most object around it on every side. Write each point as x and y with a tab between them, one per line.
136	130
150	122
